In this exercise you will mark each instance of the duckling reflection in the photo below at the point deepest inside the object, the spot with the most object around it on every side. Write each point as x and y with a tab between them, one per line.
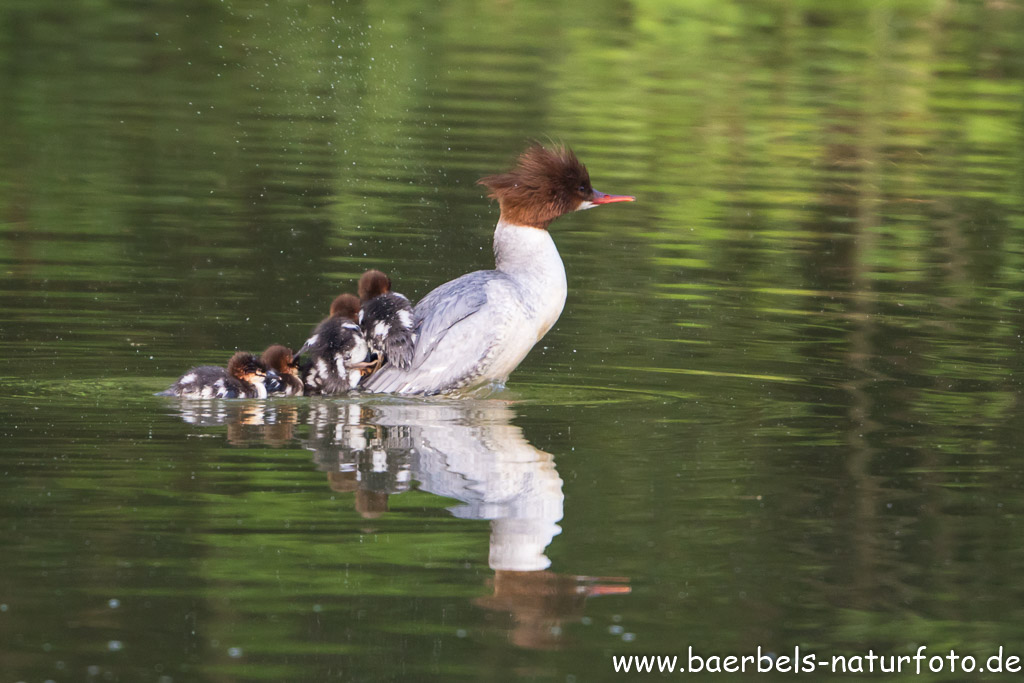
372	460
248	422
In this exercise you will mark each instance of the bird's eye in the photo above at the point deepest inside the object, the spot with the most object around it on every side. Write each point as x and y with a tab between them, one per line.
583	189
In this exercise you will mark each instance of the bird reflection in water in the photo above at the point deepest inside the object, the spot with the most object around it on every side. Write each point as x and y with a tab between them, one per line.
248	422
466	450
371	460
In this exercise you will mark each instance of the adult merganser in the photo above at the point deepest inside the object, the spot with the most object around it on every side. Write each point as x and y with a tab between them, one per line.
336	352
243	378
386	319
477	328
282	361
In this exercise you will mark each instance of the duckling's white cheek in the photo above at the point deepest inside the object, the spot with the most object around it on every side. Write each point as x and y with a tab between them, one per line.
405	318
189	378
261	388
381	329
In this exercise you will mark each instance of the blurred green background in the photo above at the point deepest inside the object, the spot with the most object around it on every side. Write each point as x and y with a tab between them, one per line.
780	405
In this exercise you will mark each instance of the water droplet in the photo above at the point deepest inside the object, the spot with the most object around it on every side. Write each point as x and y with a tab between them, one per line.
115	646
113	603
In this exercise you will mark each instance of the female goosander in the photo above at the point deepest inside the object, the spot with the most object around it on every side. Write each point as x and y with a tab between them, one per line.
282	361
244	378
477	328
336	352
386	319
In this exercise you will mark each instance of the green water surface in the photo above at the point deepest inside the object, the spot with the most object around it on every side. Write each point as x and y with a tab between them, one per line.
780	408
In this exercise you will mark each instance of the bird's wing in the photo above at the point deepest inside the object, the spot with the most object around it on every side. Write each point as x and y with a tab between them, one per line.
444	308
399	347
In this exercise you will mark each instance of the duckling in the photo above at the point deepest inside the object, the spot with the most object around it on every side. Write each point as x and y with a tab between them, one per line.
282	361
244	377
335	355
386	319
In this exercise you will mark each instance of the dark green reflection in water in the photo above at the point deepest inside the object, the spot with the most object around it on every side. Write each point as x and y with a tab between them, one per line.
781	401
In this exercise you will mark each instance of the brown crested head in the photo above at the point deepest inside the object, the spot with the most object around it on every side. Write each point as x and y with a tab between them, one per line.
372	284
543	185
281	359
345	306
245	366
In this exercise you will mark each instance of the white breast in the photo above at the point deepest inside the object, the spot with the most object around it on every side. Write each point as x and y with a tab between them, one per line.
529	256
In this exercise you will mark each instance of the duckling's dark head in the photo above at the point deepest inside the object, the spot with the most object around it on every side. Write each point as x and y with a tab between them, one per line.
345	306
372	284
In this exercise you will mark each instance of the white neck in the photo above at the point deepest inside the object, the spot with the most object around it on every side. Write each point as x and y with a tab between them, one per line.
521	250
529	256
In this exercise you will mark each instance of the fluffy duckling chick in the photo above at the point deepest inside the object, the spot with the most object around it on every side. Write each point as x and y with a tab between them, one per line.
244	377
282	361
335	355
386	319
